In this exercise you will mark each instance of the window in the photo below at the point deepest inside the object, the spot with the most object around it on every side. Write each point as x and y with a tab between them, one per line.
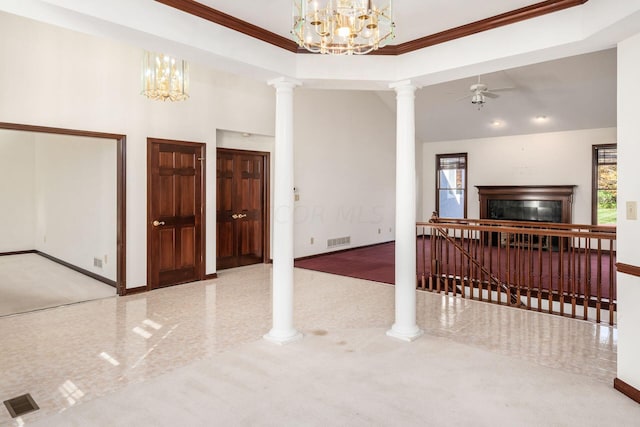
605	184
451	185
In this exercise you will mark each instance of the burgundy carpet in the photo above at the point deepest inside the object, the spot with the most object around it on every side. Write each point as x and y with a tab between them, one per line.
375	263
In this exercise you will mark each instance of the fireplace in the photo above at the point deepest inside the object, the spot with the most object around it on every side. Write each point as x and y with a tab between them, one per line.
537	203
541	203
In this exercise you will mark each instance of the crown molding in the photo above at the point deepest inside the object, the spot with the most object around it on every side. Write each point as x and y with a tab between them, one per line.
220	18
501	20
538	9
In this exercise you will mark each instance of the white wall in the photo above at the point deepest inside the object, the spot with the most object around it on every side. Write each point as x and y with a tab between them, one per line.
17	186
628	190
65	79
557	158
76	200
346	178
344	150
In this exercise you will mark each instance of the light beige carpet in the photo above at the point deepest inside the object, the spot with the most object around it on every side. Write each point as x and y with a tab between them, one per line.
31	282
358	377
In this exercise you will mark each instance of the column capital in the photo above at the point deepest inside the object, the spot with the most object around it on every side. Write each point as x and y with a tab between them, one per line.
404	85
284	82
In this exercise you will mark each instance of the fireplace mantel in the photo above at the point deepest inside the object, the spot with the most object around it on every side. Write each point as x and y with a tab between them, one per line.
560	194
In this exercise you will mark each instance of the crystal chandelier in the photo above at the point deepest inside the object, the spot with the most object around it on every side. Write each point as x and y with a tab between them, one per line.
164	77
342	27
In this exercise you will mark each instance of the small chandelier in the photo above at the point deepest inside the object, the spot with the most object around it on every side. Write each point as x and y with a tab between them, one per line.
164	78
342	27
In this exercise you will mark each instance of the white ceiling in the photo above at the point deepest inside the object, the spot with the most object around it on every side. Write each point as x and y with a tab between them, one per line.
413	18
577	92
572	93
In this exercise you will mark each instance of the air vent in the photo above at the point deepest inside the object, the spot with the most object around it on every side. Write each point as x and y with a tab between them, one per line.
339	241
21	405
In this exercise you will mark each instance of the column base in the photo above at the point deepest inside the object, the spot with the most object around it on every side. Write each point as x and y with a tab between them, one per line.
282	339
405	336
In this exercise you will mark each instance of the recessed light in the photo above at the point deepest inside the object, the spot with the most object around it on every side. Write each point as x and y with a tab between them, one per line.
496	123
541	119
246	134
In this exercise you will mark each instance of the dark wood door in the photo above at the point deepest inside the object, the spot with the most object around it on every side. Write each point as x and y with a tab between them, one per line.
242	213
175	195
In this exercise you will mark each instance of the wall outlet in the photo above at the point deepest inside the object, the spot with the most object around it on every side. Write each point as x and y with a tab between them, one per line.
379	230
632	211
97	262
311	240
105	258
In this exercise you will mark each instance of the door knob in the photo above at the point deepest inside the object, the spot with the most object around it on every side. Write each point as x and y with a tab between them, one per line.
235	216
157	223
242	215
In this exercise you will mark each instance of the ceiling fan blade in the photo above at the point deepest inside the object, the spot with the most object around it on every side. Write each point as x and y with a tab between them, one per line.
502	89
491	95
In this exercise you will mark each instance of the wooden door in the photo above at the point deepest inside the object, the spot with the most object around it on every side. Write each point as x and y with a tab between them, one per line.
175	212
242	207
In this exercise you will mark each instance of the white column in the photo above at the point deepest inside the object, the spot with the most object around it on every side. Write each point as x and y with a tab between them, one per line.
282	281
405	327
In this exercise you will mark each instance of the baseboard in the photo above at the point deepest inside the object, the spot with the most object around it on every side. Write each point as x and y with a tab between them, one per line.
78	269
30	251
626	389
342	250
210	276
136	290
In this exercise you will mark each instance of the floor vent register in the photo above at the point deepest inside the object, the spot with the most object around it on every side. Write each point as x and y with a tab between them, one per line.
21	405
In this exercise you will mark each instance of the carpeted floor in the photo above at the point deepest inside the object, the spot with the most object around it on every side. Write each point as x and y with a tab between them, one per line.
31	282
375	263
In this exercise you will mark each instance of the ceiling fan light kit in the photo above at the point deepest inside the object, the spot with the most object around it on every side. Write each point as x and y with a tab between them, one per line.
480	92
478	99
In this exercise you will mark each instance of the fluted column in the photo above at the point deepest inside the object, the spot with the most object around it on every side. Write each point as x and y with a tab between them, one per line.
282	281
405	326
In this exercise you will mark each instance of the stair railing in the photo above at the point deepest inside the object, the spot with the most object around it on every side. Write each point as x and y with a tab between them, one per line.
548	267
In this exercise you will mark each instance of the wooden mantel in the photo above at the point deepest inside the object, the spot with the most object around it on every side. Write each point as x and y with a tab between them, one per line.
560	193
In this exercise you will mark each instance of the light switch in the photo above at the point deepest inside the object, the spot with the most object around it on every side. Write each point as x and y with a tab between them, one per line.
632	210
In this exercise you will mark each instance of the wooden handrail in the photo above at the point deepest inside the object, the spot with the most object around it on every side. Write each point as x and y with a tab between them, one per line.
632	270
534	231
521	224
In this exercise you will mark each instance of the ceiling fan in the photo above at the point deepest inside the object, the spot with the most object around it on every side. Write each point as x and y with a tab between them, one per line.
480	92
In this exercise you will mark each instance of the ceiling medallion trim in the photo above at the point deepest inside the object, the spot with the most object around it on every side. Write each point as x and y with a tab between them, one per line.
528	12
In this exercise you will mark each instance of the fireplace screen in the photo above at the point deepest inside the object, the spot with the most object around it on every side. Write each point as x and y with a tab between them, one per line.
525	210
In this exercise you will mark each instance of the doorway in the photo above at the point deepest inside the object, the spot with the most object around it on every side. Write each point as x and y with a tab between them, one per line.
242	207
175	212
63	242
